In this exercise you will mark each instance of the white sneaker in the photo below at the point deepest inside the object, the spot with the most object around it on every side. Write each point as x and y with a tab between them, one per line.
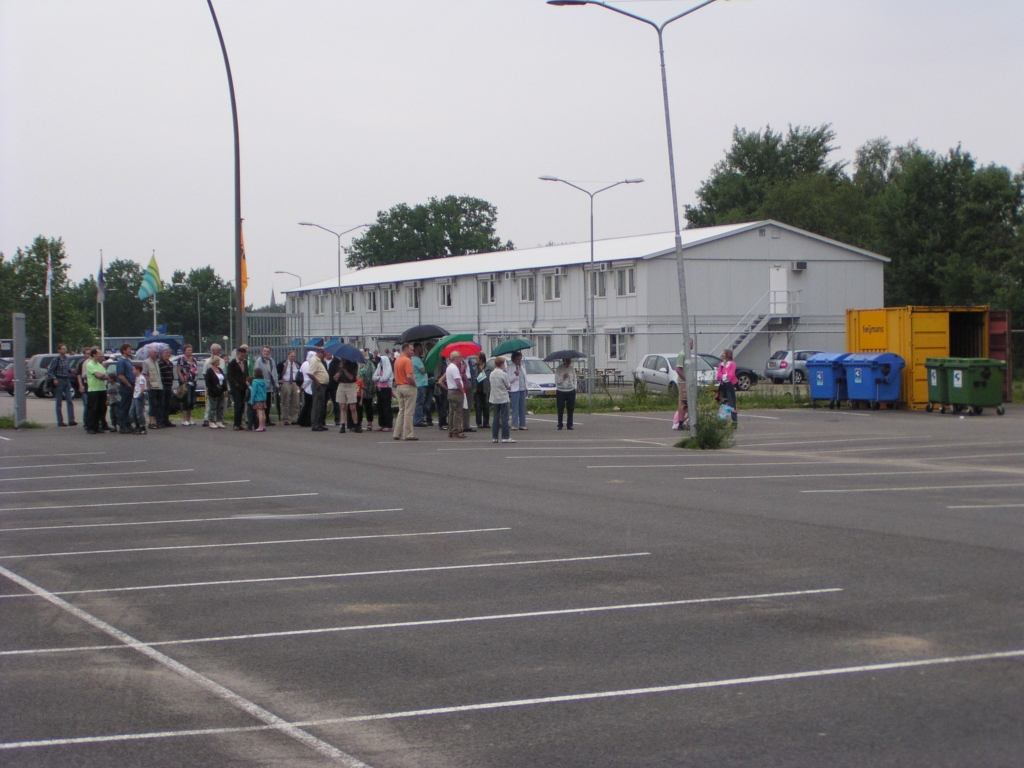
494	440
222	425
509	440
214	426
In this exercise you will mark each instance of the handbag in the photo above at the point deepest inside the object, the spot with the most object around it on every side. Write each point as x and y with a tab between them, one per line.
182	392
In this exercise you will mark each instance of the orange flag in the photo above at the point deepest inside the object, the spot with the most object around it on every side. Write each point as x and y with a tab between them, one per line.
245	271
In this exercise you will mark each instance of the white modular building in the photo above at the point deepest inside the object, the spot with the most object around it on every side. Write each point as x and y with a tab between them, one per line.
755	287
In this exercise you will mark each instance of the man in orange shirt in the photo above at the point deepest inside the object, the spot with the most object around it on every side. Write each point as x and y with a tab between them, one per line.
405	387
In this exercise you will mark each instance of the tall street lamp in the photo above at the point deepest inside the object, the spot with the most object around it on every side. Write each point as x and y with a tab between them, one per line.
199	312
338	235
691	379
590	325
283	272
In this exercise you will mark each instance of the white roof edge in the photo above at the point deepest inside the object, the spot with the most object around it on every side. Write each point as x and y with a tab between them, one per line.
719	232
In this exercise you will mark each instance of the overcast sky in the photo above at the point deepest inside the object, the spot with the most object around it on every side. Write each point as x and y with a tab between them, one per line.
115	124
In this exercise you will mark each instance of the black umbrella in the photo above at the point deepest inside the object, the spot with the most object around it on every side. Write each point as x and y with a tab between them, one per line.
422	333
564	354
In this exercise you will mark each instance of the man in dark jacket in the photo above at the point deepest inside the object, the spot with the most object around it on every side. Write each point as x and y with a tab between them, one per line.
238	382
334	377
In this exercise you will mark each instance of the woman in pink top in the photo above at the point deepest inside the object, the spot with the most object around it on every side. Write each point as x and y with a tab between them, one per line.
727	383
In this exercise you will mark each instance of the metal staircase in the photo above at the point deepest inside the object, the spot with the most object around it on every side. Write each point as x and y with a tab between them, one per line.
748	334
774	306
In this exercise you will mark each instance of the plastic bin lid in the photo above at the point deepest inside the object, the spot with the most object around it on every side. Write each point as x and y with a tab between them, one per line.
881	358
827	357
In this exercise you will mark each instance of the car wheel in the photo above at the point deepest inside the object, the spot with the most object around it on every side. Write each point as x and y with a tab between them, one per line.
745	382
798	377
673	391
44	390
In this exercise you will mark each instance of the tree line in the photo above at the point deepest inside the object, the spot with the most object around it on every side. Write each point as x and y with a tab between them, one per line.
953	227
76	320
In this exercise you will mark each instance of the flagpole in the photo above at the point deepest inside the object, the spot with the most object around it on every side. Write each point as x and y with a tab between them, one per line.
103	301
49	298
50	313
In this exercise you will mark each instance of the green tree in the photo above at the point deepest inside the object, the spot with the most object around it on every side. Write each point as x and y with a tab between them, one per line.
449	226
125	313
200	293
758	162
23	289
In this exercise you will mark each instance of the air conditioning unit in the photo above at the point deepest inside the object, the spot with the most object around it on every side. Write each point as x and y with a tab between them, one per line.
509	275
487	276
445	281
602	268
628	329
798	266
559	271
412	283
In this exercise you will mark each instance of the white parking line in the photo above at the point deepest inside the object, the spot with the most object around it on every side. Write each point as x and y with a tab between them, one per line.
917	488
75	464
436	622
514	703
805	475
250	543
96	474
6	439
48	455
164	501
985	506
788	443
951	444
232	518
112	488
349	574
271	720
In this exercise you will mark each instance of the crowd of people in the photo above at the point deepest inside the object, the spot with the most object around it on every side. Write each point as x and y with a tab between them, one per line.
140	395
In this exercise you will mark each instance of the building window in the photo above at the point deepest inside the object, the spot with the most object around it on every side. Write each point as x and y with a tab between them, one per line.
598	284
541	344
617	345
444	295
625	282
412	297
318	304
552	287
487	291
576	342
527	289
387	298
348	303
370	297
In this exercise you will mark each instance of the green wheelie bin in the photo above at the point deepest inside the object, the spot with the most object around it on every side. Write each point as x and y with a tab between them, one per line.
975	383
938	383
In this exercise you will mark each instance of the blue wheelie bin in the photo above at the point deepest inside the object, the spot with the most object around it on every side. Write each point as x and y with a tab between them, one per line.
874	378
827	376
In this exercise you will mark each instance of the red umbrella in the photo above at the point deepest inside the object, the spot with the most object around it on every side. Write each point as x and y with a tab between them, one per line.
464	348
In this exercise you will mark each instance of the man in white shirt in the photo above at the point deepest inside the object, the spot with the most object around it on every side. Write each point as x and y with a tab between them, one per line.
565	391
456	395
289	389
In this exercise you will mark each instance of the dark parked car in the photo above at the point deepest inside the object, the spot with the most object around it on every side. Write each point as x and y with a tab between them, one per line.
746	377
7	376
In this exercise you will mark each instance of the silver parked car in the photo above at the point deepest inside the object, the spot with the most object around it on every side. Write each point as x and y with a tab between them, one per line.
658	373
789	365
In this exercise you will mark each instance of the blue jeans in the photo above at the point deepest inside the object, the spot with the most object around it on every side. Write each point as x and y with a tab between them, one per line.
137	413
517	406
124	408
499	417
62	390
421	401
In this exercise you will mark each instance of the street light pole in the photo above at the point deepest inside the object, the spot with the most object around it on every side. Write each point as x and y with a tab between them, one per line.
284	272
199	313
691	379
591	330
338	235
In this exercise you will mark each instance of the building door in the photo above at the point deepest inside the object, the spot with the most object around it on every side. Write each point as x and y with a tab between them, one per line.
778	290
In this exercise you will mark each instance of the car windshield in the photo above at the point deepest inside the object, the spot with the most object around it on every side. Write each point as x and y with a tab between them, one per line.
780	355
538	366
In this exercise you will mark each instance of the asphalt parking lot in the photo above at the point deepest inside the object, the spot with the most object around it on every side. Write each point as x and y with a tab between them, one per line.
841	588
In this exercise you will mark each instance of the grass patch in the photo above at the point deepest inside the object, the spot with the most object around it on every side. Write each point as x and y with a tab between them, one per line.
768	399
7	422
713	433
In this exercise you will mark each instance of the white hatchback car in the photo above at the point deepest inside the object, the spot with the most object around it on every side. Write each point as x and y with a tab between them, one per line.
658	373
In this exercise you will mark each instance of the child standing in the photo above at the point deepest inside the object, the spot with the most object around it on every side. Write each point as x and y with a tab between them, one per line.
138	409
258	398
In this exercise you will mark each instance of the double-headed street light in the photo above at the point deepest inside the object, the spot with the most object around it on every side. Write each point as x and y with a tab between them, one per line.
338	235
590	325
691	380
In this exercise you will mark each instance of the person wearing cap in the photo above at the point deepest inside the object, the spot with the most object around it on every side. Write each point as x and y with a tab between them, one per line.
456	394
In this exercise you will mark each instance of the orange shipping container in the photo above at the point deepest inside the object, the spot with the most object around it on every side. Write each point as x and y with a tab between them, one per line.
917	333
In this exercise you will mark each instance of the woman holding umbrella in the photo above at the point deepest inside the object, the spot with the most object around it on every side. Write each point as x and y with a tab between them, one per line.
517	393
565	391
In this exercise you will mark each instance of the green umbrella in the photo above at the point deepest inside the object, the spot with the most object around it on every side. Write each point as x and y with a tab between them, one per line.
512	345
430	363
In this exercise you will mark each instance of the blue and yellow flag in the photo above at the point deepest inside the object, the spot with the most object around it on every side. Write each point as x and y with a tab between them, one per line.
151	280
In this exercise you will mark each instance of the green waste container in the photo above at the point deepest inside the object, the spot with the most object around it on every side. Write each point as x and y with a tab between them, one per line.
938	383
975	383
